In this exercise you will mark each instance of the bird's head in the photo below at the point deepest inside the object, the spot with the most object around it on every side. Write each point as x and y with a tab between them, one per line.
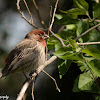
38	35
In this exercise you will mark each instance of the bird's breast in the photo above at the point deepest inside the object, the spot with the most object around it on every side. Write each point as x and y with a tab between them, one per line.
39	57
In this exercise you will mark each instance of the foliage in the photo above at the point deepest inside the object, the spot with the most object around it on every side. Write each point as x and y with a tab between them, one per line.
86	57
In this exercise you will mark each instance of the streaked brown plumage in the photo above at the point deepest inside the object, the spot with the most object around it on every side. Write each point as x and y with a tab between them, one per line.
28	55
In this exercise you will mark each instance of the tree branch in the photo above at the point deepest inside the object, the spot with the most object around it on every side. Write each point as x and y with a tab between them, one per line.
37	9
52	79
48	31
89	43
61	41
28	11
87	31
23	90
40	68
33	90
50	28
23	16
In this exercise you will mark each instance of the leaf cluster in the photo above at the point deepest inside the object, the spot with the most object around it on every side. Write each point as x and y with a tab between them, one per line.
86	57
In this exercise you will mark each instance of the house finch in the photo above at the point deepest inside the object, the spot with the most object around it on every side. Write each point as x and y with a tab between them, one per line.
28	55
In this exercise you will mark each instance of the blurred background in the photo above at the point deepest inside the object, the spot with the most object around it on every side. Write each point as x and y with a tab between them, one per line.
13	29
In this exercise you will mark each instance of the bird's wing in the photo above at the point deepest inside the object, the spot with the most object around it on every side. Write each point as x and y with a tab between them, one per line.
21	50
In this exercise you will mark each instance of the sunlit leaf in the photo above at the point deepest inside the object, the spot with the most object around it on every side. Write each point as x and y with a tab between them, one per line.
67	53
95	66
57	46
96	11
92	52
73	43
82	27
85	82
66	19
58	16
82	4
75	12
63	51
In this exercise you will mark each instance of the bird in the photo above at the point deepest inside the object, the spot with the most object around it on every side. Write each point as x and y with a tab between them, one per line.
28	54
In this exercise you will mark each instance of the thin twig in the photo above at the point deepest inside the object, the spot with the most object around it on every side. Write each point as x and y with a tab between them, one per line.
97	20
23	16
62	43
52	21
88	43
48	31
50	28
46	56
33	90
88	66
92	74
40	68
62	27
87	31
37	9
50	18
23	90
52	79
28	11
97	28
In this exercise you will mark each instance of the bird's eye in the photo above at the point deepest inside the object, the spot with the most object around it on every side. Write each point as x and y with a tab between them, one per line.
39	34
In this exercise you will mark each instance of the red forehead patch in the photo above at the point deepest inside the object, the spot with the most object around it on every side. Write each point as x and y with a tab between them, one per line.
38	32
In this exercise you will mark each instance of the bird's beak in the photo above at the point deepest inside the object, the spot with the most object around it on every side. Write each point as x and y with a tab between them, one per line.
46	36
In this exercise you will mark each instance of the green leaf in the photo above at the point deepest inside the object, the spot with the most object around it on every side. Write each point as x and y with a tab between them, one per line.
79	29
67	33
76	88
58	16
50	46
66	19
72	57
82	68
82	4
96	11
82	64
63	66
57	46
84	82
82	27
73	43
67	53
71	27
75	12
95	66
51	43
92	52
63	51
